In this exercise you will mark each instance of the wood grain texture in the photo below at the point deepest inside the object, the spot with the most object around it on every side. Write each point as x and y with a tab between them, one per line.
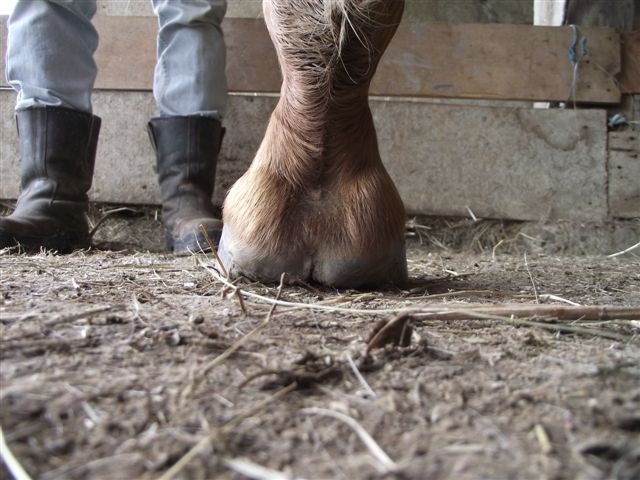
630	76
475	61
502	62
126	55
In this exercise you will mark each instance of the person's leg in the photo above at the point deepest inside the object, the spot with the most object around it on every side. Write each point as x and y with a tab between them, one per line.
50	50
50	65
190	73
191	93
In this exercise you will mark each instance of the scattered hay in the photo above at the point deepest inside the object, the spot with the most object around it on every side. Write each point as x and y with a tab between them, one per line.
147	365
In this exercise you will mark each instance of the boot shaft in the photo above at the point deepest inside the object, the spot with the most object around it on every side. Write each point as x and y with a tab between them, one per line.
58	148
58	145
186	151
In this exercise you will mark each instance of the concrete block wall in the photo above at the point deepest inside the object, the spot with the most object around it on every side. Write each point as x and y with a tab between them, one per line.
624	173
498	162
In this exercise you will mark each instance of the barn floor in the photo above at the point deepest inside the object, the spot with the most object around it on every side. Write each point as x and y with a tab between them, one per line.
111	368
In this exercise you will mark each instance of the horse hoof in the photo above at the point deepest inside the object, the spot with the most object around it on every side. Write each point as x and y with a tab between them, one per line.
242	259
364	270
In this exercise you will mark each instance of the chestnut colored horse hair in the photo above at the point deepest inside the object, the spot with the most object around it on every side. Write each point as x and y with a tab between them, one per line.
317	181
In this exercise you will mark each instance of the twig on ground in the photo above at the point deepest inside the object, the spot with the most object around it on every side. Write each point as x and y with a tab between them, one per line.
517	314
511	240
11	462
240	301
214	250
471	214
493	250
252	470
533	283
524	310
594	332
359	376
382	458
470	293
547	296
543	439
626	250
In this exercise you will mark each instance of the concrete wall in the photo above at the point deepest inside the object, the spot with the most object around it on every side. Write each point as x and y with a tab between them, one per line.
516	163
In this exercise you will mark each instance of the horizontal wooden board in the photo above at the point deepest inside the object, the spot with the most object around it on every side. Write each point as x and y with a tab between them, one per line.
515	163
502	62
477	61
126	54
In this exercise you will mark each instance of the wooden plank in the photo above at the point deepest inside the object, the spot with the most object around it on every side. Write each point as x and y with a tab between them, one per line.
127	62
126	55
252	64
502	62
630	76
624	174
488	61
523	164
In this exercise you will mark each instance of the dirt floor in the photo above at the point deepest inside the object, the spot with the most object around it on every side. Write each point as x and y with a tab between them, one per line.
122	365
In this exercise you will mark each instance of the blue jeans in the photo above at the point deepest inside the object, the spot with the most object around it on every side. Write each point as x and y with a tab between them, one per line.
51	44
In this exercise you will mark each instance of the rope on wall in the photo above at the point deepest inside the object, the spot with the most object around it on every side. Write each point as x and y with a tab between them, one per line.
577	51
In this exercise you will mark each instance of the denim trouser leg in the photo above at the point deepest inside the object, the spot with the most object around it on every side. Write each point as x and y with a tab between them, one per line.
50	53
190	73
51	45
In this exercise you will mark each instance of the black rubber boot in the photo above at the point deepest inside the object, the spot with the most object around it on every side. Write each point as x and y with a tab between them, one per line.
187	150
58	148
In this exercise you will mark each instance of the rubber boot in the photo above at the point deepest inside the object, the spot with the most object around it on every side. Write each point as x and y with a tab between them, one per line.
58	148
187	150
